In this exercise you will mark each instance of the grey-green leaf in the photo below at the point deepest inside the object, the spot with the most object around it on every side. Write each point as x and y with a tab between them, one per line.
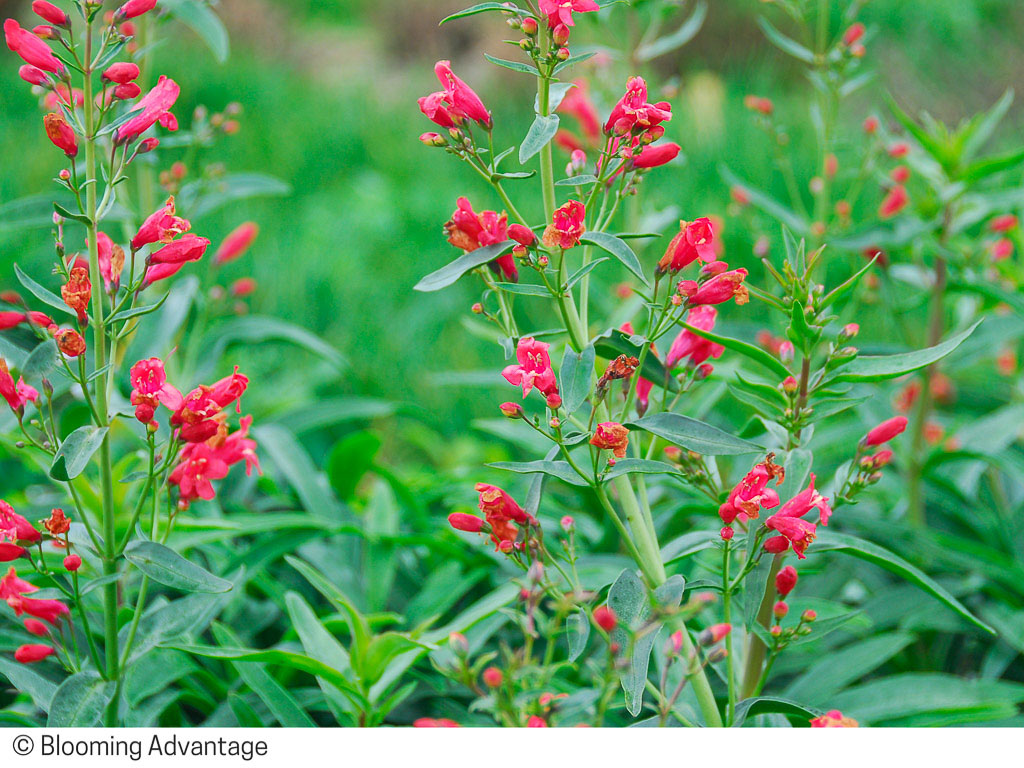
167	567
878	368
74	453
452	271
694	435
541	132
617	248
575	376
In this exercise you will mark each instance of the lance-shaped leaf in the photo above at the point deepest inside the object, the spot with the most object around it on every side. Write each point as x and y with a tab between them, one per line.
694	435
541	132
756	354
560	469
575	375
617	248
452	271
167	567
483	8
76	450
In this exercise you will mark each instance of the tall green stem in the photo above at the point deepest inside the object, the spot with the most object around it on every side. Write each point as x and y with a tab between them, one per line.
756	649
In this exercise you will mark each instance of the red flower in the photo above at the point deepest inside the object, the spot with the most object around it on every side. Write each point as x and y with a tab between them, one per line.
159	272
198	466
70	342
694	242
560	11
188	248
32	75
50	13
785	580
77	291
437	110
653	156
161	226
33	50
16	395
154	106
12	586
236	243
885	431
611	436
566	226
60	133
469	230
752	493
463	522
134	8
47	610
534	368
691	347
758	104
853	34
792	530
895	201
461	100
122	72
29	654
242	287
833	719
111	258
1003	223
430	722
605	618
717	290
804	502
633	111
498	505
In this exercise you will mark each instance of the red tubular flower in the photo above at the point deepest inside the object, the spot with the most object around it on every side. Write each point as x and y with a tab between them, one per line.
833	719
578	104
127	91
561	11
895	201
159	272
611	436
691	347
61	133
522	235
46	610
792	530
149	388
50	13
605	618
10	320
498	505
752	493
12	586
155	107
853	34
804	502
229	389
1003	223
16	395
653	156
134	8
463	522
161	226
431	722
32	75
462	99
634	113
534	368
188	248
567	226
197	468
36	627
785	580
122	72
77	291
242	287
30	654
437	111
714	634
9	552
237	243
33	50
469	230
694	242
111	258
885	431
717	290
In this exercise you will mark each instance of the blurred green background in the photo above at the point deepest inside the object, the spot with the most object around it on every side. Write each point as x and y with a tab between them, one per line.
329	95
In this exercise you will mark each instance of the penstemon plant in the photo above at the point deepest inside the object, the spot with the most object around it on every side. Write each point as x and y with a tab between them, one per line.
81	580
620	419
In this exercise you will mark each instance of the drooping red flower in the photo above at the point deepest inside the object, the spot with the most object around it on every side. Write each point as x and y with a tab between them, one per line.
30	654
33	50
159	272
885	431
155	107
457	101
70	342
578	104
16	394
694	242
187	248
161	226
566	227
561	11
611	436
60	132
236	243
533	369
123	72
718	290
32	75
134	8
655	155
460	521
691	347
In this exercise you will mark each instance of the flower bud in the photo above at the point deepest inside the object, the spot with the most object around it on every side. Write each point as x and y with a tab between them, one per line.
780	609
885	431
786	352
493	677
560	35
463	522
432	139
605	618
522	235
36	627
871	125
72	562
50	13
563	54
567	523
529	26
776	631
785	580
147	145
70	342
554	401
458	643
703	371
727	533
555	423
714	634
718	655
809	616
853	34
511	410
60	133
831	165
790	384
477	309
577	160
849	331
121	73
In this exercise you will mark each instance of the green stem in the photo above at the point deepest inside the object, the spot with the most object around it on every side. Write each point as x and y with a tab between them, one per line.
730	676
756	649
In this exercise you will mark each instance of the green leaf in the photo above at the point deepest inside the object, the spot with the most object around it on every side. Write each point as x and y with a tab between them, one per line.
990	166
577	632
27	680
320	645
515	66
560	469
358	626
203	196
204	22
65	213
282	705
41	361
830	674
694	435
640	466
984	124
291	459
349	461
576	181
614	342
878	368
575	376
799	331
764	705
872	553
74	453
582	272
167	567
80	701
483	8
766	202
47	297
525	289
542	130
451	272
617	248
756	354
686	32
784	43
573	60
126	314
844	288
687	544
